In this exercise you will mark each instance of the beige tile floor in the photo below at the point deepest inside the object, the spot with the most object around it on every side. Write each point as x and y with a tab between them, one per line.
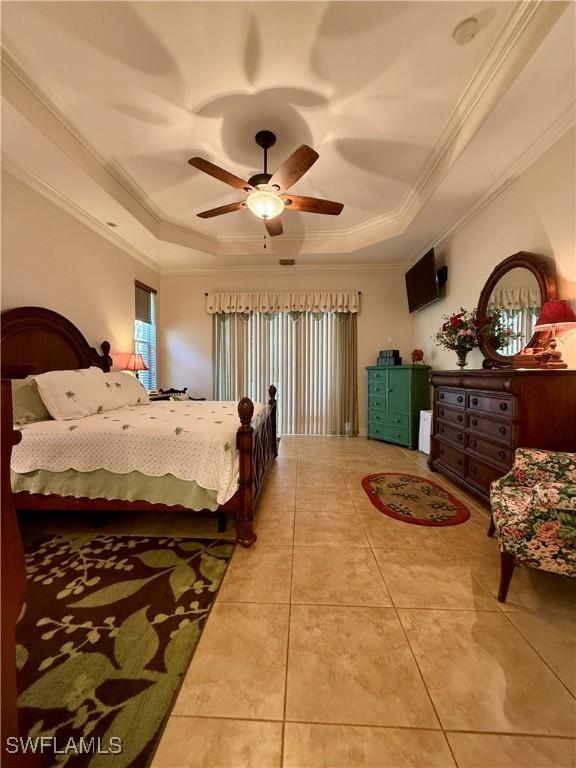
344	638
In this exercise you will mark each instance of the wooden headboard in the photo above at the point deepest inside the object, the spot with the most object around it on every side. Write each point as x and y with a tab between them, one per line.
35	340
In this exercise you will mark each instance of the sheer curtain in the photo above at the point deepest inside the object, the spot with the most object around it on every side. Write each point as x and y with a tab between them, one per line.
310	356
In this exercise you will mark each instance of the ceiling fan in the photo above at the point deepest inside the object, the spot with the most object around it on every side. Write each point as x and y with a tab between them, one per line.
267	196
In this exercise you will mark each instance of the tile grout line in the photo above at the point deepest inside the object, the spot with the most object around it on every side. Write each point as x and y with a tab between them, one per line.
536	651
403	630
518	734
283	740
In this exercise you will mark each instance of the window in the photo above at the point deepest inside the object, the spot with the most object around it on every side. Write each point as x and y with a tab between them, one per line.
145	332
310	356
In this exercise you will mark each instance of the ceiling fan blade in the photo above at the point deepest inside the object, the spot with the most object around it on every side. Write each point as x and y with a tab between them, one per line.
219	173
274	226
311	205
294	167
222	209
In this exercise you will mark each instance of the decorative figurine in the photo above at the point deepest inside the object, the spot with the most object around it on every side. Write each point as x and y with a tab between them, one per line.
417	356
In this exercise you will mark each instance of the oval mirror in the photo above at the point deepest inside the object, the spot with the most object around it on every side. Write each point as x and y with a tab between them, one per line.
517	299
515	293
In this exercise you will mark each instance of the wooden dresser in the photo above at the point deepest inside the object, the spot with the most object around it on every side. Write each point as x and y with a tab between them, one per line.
481	416
396	395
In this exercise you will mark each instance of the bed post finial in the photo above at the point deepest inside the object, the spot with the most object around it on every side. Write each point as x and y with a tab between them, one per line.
106	360
245	411
272	392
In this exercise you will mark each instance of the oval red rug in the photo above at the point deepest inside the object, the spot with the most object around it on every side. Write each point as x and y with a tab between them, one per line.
414	499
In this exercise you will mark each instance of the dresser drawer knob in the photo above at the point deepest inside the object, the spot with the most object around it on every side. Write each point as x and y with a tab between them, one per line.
502	454
473	443
459	436
441	395
442	430
460	399
503	406
474	401
474	422
441	411
398	421
460	417
502	430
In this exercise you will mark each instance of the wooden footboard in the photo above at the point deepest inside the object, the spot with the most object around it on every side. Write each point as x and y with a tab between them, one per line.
258	448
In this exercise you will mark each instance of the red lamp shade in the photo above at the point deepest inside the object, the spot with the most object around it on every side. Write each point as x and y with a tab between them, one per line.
556	315
135	363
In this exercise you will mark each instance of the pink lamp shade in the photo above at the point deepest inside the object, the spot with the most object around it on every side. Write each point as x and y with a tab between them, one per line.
556	315
135	363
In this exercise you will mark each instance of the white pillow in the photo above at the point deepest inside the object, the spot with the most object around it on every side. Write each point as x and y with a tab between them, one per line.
75	394
127	388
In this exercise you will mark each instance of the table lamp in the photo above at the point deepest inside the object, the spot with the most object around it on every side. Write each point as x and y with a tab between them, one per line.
135	363
557	317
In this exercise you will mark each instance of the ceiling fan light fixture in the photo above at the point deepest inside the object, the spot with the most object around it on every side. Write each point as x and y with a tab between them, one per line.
265	204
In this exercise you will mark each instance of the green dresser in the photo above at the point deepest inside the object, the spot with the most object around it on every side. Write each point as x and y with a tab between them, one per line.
396	395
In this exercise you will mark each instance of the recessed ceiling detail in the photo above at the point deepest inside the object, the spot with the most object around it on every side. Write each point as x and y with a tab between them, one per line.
105	103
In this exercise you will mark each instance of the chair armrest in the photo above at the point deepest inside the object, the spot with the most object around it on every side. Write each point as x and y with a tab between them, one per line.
536	466
556	496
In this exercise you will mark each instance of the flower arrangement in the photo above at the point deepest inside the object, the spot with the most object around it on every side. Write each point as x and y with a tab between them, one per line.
500	334
461	332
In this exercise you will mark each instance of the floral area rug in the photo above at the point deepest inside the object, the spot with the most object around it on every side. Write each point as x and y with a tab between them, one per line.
110	626
414	499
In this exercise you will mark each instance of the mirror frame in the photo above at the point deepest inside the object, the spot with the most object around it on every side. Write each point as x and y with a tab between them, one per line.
542	269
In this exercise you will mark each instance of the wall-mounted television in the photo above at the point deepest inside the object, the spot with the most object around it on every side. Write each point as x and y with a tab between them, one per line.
422	284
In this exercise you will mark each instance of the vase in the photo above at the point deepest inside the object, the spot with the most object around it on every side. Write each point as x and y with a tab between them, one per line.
462	354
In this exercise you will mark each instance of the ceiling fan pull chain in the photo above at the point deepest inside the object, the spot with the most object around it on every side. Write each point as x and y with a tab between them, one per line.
264	242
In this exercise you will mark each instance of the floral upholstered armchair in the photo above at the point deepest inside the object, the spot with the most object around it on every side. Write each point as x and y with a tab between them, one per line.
534	513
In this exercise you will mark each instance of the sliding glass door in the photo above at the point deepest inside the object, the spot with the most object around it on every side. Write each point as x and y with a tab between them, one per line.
310	356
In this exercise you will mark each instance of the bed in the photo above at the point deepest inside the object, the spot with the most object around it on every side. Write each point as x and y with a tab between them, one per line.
35	340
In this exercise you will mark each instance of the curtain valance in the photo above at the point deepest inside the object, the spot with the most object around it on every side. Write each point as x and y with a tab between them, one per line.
515	298
284	301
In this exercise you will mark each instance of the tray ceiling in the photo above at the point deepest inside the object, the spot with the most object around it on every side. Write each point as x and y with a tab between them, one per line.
105	103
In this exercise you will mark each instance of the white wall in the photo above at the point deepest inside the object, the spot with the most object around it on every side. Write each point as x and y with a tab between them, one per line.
535	213
383	321
50	259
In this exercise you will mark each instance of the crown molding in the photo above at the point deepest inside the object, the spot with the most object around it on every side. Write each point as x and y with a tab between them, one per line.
527	24
14	168
564	123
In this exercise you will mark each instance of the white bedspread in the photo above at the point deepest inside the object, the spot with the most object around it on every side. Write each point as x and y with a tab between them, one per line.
190	440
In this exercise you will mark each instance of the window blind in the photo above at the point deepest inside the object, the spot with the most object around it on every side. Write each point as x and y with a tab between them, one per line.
145	332
310	356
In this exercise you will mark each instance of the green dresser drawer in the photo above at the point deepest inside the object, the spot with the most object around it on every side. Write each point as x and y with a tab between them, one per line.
386	432
376	403
377	387
376	416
